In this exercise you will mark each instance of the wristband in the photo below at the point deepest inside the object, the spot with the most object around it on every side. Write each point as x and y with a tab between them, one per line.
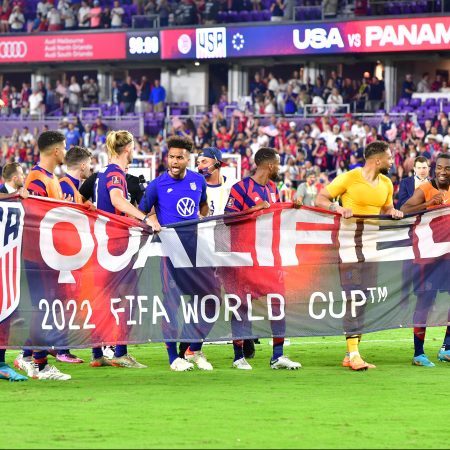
145	218
333	207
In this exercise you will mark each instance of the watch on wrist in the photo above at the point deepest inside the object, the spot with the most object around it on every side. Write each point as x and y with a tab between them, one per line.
333	207
145	218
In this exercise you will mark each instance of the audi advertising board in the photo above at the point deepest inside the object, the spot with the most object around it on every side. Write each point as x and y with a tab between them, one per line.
62	47
363	36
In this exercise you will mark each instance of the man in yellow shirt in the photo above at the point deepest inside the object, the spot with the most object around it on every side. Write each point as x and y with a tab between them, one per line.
363	191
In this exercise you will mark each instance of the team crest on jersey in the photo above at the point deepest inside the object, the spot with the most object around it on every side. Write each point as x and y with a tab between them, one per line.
274	197
193	186
11	231
115	180
230	202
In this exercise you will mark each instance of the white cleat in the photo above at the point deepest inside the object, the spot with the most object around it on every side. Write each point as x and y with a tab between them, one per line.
52	373
181	365
242	364
199	359
108	352
283	362
26	364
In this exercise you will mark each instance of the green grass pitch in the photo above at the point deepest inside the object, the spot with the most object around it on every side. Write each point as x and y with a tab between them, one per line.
322	405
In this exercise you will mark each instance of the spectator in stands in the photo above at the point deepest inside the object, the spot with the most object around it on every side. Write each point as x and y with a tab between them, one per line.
5	12
84	15
277	10
93	91
73	136
36	102
444	87
149	7
95	14
84	90
186	13
363	95
212	8
164	11
43	8
88	136
437	83
144	90
54	20
423	85
376	95
115	92
99	124
273	84
74	91
290	105
158	97
105	18
14	100
335	100
408	87
117	13
384	127
16	20
257	87
128	95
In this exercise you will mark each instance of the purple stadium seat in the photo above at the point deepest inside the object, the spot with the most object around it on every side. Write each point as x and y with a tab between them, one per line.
415	102
403	102
221	17
266	15
430	102
244	16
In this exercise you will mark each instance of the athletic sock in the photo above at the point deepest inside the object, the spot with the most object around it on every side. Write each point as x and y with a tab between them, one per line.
352	344
238	347
27	353
278	344
172	351
40	358
419	340
446	344
2	355
97	352
195	346
121	350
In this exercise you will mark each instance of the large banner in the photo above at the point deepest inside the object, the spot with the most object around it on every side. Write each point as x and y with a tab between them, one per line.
74	278
361	36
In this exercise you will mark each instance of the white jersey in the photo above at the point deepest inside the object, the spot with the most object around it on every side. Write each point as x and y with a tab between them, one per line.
217	196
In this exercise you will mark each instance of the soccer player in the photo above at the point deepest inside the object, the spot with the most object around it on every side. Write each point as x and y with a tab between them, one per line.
14	180
364	190
430	278
209	163
177	195
42	181
112	196
253	194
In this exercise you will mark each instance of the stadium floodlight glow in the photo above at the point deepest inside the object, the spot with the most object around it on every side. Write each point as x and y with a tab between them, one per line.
197	63
13	49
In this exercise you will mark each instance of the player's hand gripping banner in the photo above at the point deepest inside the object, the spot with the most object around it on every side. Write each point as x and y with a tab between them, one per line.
75	278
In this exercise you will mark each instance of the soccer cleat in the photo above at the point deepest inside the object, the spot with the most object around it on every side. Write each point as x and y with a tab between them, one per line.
69	358
52	373
100	362
283	362
249	348
126	361
444	355
422	360
357	363
108	352
346	363
26	364
242	364
181	365
199	359
8	373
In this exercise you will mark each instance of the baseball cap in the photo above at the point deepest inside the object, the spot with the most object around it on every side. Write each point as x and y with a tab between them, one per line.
213	153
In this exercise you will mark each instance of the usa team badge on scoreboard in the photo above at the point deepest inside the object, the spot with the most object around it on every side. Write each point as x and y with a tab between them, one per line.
211	42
